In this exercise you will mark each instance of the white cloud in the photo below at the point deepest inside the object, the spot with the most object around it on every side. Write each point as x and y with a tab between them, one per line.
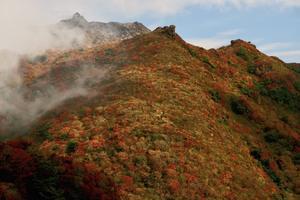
274	46
289	52
126	9
220	39
288	55
209	43
229	33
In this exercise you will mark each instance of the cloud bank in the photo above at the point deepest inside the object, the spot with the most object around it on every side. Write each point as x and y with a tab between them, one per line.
44	10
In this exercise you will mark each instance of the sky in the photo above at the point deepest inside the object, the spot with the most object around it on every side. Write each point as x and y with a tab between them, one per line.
273	25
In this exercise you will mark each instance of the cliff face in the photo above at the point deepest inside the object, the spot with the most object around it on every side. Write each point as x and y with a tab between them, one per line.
167	120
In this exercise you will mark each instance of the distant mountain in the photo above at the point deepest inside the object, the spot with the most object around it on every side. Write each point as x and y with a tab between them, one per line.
101	33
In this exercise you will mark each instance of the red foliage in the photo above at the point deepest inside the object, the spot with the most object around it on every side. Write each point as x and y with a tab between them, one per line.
297	149
273	166
127	183
20	144
15	163
174	185
190	178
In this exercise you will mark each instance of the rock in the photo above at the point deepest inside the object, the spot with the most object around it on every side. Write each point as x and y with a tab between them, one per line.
103	33
168	30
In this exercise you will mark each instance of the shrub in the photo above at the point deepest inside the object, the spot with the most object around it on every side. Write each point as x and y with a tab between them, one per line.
251	69
45	182
279	142
71	147
294	68
206	60
140	160
109	52
238	107
256	153
193	53
270	172
98	59
297	85
243	53
64	136
215	95
43	132
272	136
284	97
285	119
246	91
296	159
281	95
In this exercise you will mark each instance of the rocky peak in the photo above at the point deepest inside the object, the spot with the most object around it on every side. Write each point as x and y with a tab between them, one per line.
77	20
102	33
168	30
243	43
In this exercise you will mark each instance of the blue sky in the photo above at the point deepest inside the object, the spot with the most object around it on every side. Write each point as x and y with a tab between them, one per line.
273	25
274	31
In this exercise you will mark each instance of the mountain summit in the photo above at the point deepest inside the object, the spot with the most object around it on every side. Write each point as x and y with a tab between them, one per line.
102	33
76	21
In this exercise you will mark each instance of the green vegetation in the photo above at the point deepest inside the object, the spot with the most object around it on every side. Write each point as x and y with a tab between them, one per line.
215	95
207	61
295	68
256	153
297	85
284	97
64	136
243	53
279	142
45	182
251	69
109	52
193	53
296	158
71	147
66	55
43	133
270	172
280	94
238	106
265	164
247	91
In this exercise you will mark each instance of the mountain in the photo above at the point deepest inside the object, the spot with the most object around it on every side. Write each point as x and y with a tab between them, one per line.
158	119
294	66
101	33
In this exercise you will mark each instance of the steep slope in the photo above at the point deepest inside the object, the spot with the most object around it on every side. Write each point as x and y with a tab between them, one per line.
168	121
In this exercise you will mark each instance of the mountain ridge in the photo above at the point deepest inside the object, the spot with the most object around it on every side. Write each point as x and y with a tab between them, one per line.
169	121
102	33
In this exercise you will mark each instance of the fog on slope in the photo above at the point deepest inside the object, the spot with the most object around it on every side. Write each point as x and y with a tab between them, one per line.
23	34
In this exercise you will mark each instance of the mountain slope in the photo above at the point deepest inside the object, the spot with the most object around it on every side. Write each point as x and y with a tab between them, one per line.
168	121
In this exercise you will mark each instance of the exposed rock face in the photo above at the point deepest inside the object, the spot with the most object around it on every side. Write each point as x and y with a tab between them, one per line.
168	30
101	33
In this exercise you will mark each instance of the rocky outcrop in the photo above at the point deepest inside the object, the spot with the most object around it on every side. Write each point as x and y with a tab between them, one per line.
168	30
101	33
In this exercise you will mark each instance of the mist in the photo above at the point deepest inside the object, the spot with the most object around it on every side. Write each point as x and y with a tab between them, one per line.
26	31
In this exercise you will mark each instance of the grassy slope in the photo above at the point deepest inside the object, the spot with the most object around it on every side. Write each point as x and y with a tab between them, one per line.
161	125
